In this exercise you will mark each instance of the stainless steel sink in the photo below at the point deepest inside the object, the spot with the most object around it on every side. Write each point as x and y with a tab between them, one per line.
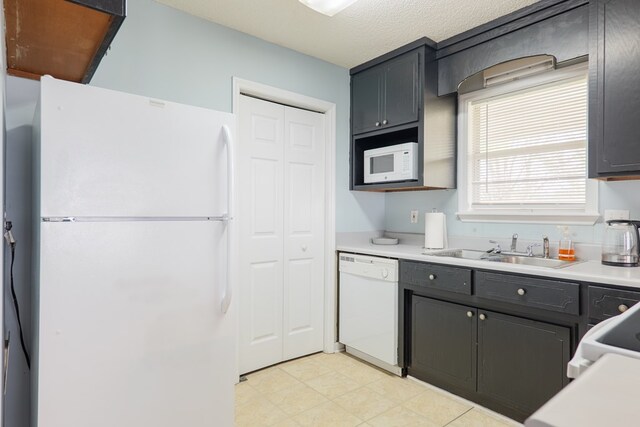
509	259
535	261
462	253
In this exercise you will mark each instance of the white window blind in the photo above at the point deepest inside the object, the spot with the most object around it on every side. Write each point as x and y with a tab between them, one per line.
527	149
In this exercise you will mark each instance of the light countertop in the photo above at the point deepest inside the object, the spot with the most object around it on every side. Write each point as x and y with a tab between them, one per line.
605	395
587	271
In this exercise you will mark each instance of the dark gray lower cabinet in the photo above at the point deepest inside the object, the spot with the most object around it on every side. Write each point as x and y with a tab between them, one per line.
521	362
508	363
443	340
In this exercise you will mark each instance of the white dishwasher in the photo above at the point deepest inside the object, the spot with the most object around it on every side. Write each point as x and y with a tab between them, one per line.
368	315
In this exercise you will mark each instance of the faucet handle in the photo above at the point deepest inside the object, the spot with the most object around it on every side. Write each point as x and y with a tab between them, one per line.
530	248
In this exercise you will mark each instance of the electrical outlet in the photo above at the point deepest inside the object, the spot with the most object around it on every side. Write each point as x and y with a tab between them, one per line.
610	214
414	217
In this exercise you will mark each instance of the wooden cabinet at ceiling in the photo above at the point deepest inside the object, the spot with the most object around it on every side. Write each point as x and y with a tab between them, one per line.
65	39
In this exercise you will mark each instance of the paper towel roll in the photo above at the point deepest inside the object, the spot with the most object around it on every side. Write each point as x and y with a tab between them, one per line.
435	230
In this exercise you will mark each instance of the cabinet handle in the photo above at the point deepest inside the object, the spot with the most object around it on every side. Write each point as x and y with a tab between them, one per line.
377	124
482	317
622	308
469	313
521	292
384	122
432	277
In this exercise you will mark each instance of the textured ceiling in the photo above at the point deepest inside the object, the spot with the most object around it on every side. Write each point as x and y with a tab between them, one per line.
361	32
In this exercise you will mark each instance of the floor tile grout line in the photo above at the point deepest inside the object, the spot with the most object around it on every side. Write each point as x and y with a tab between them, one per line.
461	415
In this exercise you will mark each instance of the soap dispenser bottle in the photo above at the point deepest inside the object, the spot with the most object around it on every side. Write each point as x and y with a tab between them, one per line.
566	252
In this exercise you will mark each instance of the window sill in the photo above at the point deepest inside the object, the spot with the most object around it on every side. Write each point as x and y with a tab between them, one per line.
566	218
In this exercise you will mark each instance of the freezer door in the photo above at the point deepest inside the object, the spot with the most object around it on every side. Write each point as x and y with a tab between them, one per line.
107	153
130	328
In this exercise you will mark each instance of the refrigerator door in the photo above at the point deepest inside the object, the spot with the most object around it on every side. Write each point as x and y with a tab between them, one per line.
112	154
130	331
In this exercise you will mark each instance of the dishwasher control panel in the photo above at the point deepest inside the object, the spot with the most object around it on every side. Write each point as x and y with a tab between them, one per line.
374	267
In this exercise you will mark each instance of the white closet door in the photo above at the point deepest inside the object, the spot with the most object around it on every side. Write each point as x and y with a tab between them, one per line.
304	195
260	224
281	222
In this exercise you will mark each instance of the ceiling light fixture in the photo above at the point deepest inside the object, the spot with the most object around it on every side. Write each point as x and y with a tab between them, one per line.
328	7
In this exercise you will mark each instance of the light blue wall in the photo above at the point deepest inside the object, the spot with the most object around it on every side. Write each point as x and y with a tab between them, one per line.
613	195
163	53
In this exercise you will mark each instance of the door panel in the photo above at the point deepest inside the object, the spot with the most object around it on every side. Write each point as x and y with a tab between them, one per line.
368	317
130	325
443	342
107	153
521	362
401	90
260	225
304	156
615	85
366	100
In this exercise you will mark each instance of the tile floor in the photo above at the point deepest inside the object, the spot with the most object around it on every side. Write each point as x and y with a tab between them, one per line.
339	390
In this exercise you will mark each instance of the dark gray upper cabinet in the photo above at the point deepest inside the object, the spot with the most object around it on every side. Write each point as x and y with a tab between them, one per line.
394	101
387	94
521	362
366	99
614	89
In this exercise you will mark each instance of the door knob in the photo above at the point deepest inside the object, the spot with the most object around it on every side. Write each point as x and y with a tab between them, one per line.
469	313
482	317
521	292
622	308
384	122
432	277
385	273
377	124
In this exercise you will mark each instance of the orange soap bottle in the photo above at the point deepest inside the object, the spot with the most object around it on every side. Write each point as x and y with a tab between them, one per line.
566	251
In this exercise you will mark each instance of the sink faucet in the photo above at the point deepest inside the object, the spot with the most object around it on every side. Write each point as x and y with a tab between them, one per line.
496	249
545	247
514	242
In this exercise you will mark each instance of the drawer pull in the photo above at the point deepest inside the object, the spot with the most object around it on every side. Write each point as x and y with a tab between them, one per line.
482	317
377	124
432	277
622	308
469	313
384	122
521	292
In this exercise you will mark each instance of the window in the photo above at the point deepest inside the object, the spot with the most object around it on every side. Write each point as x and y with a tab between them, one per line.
523	151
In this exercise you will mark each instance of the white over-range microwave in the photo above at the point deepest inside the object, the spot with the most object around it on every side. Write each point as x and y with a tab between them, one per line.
392	163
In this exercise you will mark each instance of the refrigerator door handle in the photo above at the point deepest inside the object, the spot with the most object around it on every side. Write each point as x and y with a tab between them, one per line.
226	296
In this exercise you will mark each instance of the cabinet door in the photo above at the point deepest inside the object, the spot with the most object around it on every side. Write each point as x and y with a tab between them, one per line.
614	92
366	100
443	343
401	90
521	363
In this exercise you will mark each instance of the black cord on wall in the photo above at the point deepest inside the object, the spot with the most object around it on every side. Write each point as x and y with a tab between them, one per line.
16	306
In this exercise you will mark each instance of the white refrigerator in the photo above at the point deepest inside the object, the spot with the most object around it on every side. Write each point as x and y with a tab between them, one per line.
132	288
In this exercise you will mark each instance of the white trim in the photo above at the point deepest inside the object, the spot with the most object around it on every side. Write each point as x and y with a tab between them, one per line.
270	93
588	216
575	218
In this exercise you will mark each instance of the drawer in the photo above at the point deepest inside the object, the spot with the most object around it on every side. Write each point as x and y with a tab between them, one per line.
550	295
434	276
607	302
